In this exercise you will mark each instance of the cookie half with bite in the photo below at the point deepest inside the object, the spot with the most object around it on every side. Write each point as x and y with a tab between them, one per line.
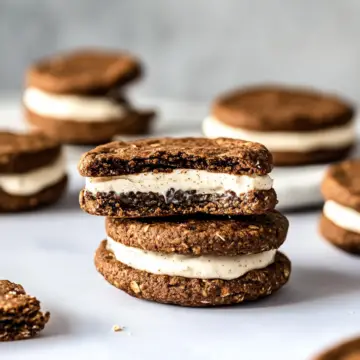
299	126
32	171
20	314
196	261
340	221
166	177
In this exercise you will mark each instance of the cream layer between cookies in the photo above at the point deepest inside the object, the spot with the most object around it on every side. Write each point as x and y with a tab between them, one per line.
201	181
72	107
199	267
333	138
342	216
34	181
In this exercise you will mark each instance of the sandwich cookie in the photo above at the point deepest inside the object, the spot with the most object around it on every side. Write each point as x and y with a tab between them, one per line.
75	97
163	177
32	171
340	221
349	350
198	261
20	314
299	126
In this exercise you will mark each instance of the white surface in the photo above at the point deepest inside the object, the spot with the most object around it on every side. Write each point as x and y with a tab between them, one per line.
50	252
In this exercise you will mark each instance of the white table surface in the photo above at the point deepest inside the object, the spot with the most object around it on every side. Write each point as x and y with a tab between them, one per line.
51	252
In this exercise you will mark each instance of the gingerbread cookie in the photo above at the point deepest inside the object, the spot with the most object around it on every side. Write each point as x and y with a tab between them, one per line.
32	171
299	126
163	177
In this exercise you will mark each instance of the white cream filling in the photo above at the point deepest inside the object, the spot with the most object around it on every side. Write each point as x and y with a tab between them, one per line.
203	182
333	138
200	267
32	182
342	216
72	107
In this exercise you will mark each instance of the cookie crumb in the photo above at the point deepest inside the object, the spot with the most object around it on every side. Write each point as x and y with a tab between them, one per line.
117	328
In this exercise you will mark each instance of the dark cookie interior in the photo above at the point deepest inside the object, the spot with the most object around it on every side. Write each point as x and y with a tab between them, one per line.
216	155
177	203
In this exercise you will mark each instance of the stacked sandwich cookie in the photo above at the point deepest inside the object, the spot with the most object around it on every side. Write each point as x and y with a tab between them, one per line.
189	221
78	97
32	171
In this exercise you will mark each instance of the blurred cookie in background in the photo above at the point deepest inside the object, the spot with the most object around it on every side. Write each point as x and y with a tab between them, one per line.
340	221
32	171
78	97
299	126
349	350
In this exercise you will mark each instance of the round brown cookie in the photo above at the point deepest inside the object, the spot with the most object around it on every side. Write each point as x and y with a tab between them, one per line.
263	112
20	314
343	239
192	292
349	350
23	152
78	132
87	71
342	184
312	157
165	154
281	108
47	196
202	235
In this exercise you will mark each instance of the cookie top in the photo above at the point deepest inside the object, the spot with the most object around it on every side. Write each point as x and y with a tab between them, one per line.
215	155
7	287
22	152
202	235
280	108
342	184
85	71
349	350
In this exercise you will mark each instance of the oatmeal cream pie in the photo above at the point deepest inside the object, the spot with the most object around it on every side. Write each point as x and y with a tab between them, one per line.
299	126
163	177
340	221
77	97
197	261
20	314
349	350
32	171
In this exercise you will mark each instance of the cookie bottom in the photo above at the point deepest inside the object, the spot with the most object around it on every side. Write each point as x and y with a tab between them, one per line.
192	292
311	158
343	239
91	133
50	195
177	203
